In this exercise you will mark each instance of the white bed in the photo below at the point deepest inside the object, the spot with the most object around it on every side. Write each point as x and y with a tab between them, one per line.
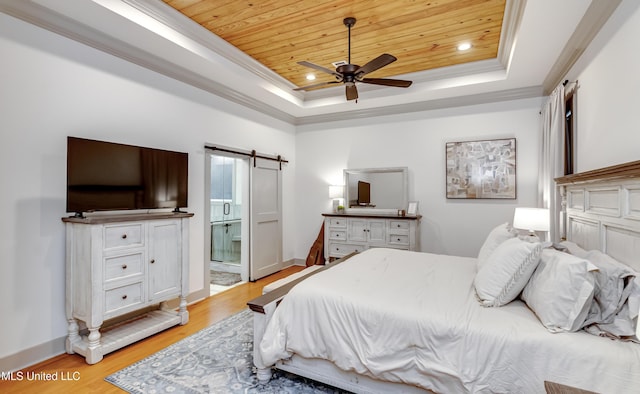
366	326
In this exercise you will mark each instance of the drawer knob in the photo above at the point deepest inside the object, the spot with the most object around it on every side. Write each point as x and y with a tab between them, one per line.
153	261
124	236
398	239
124	266
124	297
398	226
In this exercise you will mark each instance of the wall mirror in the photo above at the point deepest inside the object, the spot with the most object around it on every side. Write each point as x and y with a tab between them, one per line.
383	190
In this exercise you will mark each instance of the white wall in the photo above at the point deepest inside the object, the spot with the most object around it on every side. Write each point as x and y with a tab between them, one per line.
417	141
609	93
52	87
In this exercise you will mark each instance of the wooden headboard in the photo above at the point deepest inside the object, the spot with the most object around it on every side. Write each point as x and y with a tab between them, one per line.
601	210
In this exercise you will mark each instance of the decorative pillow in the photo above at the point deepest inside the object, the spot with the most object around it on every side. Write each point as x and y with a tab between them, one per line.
497	236
560	291
506	271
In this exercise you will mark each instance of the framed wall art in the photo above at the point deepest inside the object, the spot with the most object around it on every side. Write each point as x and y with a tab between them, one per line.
481	169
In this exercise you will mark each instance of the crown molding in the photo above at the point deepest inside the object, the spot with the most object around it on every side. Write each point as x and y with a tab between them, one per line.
43	17
514	9
593	20
449	102
178	22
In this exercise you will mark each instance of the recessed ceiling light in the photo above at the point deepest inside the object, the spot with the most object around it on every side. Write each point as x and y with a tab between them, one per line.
310	77
464	46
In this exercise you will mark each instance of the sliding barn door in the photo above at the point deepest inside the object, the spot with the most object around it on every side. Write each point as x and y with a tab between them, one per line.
266	218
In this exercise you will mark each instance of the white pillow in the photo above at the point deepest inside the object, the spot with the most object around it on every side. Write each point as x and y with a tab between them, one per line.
613	285
506	271
497	236
574	249
560	291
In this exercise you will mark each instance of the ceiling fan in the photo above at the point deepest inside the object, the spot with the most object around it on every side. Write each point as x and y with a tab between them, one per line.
349	73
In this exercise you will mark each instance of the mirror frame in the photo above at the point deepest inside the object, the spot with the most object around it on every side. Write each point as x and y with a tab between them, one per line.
404	171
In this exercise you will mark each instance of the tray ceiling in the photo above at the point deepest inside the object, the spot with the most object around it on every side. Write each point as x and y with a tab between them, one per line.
423	35
247	51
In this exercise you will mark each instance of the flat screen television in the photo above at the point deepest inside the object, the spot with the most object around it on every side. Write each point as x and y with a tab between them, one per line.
364	193
107	176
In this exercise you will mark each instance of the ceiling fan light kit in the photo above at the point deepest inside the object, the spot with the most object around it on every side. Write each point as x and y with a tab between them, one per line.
350	73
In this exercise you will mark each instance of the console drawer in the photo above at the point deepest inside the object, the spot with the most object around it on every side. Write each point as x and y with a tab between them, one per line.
398	225
337	222
119	267
123	235
122	297
338	235
399	239
339	250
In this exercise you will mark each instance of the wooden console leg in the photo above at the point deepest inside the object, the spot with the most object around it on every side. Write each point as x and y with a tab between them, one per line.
183	312
72	335
94	351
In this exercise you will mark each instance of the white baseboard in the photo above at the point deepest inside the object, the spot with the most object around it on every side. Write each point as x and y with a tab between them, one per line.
292	262
33	355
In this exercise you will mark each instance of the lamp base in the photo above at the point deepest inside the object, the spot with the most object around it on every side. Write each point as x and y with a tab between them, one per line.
531	236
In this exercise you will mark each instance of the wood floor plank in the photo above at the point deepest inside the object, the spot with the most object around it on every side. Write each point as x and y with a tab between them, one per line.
84	378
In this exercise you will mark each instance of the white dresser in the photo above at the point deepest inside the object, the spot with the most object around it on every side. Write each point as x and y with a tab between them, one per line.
121	270
348	233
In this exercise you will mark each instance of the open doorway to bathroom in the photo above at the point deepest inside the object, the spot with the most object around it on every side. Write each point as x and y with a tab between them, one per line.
228	177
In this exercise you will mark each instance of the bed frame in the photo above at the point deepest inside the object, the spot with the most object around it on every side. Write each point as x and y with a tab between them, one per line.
600	210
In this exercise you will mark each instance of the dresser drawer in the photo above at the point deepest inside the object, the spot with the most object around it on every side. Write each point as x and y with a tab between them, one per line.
123	235
398	225
337	222
119	267
122	297
398	239
338	235
339	250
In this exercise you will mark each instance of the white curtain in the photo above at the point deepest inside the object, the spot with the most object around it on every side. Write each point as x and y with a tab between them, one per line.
551	163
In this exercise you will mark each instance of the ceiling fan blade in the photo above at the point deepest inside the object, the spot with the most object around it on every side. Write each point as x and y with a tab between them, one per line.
375	64
351	92
316	85
320	68
387	82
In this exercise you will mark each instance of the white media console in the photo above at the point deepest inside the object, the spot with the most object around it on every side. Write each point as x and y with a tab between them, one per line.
120	272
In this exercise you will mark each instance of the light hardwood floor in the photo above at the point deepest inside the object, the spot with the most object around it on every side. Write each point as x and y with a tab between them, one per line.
90	378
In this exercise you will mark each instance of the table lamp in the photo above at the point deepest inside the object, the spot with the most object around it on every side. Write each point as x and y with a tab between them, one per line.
335	193
531	220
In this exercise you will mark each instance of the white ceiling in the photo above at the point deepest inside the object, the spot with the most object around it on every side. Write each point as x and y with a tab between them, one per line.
541	39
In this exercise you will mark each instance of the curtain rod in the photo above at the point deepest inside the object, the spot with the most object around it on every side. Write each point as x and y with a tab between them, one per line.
253	154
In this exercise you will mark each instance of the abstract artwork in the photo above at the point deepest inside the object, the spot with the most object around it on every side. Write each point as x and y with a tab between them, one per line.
481	169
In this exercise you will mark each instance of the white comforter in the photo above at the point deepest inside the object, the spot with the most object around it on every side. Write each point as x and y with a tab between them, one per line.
412	317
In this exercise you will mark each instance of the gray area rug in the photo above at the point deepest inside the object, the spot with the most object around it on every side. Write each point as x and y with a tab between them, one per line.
217	359
224	278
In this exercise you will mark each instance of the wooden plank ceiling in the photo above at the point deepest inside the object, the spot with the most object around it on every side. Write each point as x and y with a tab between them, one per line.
423	35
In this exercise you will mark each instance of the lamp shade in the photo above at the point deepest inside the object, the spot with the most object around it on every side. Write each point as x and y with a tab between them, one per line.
335	191
532	219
